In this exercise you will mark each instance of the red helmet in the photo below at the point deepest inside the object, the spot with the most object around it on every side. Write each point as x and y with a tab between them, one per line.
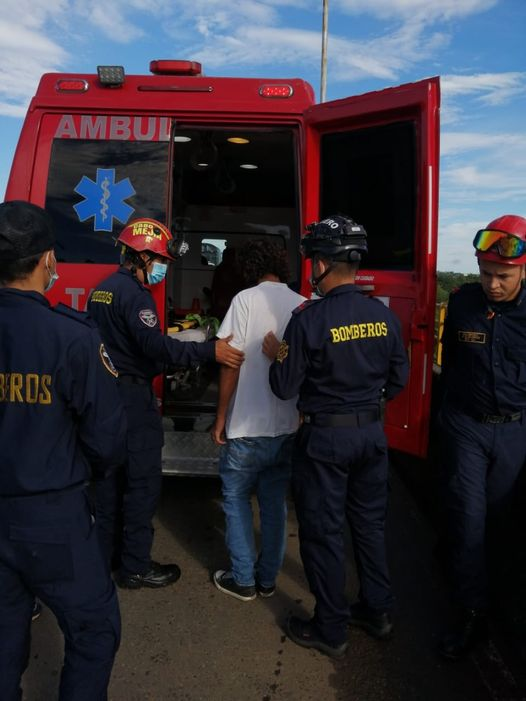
502	241
149	235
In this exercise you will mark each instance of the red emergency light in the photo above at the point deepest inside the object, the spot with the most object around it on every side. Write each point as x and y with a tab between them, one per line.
71	85
169	67
276	91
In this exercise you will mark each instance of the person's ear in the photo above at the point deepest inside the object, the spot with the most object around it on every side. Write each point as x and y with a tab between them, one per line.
322	267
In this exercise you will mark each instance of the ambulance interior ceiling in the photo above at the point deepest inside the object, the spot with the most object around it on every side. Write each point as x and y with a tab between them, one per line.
230	187
235	181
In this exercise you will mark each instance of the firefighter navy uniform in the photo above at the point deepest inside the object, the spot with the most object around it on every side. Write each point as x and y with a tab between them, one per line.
126	315
61	421
482	423
339	354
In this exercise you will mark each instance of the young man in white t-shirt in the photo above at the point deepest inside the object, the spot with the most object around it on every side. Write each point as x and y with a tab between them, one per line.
254	428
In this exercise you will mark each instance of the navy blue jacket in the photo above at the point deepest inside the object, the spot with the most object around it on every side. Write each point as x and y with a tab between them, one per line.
484	352
126	315
339	353
60	410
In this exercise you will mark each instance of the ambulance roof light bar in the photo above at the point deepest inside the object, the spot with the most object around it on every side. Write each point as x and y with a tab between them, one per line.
172	67
111	76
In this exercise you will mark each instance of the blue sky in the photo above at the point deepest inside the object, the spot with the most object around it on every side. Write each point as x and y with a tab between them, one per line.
476	46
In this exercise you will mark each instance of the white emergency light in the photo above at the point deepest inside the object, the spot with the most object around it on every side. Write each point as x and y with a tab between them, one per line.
112	76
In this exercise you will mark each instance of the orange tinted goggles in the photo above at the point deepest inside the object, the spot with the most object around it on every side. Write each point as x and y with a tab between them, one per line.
506	245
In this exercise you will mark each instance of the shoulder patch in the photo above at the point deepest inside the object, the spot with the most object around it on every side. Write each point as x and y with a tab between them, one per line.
283	351
148	317
305	304
81	317
106	361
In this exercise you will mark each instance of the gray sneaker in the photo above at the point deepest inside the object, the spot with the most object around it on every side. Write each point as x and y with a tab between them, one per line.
226	583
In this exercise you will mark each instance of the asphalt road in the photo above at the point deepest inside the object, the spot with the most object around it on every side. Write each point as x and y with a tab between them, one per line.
191	642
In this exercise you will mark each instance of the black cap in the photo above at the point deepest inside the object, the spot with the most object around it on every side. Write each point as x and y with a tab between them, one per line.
25	230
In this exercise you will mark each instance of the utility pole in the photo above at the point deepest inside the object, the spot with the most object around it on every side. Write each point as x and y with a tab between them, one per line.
325	23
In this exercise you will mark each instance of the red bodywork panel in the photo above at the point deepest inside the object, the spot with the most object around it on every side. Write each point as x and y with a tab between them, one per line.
144	110
411	294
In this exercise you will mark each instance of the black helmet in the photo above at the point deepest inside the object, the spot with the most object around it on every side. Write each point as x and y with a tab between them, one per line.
337	238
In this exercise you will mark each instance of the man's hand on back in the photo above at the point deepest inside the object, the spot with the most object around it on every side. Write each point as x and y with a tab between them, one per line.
270	345
227	355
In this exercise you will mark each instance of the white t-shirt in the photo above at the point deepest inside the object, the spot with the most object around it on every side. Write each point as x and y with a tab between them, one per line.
254	410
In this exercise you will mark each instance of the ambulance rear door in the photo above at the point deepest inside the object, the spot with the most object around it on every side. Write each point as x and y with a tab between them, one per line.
93	173
374	157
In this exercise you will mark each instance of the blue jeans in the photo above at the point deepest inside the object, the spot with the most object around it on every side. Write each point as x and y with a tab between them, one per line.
260	465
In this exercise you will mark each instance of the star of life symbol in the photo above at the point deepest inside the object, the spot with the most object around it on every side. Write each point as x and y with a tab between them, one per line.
104	199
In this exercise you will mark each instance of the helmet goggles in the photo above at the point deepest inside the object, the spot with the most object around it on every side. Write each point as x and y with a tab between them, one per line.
505	244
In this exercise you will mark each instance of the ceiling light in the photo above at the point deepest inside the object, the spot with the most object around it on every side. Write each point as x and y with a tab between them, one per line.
249	166
238	140
182	139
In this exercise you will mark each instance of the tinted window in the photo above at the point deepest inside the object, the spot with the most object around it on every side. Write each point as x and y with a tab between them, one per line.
370	175
95	187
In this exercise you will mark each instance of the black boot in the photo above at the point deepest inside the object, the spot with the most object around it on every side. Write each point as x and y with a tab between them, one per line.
158	576
377	623
471	630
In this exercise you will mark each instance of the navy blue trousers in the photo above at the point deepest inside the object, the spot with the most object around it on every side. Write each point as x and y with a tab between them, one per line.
481	464
342	473
49	549
126	501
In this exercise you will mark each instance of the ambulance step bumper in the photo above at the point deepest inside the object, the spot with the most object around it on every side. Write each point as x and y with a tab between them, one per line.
189	453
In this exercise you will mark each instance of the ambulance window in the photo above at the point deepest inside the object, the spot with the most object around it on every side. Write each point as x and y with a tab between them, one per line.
370	175
95	186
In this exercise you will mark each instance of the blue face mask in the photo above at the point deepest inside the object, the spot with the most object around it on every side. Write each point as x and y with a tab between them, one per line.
157	273
53	277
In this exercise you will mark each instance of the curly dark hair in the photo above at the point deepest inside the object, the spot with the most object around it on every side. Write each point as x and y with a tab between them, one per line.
258	258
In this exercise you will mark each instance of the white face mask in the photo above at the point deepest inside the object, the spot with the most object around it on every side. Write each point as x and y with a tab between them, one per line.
53	277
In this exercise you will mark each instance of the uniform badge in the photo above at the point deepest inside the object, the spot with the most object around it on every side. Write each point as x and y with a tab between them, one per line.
472	336
106	361
148	317
283	351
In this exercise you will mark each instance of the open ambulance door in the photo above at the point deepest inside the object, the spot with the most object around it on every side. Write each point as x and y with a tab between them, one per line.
374	157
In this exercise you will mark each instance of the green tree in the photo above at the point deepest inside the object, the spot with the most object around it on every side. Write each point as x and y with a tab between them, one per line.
449	281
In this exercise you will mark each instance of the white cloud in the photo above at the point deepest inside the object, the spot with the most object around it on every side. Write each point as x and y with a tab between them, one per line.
427	10
482	176
473	181
490	88
25	54
111	20
455	243
33	14
455	142
383	58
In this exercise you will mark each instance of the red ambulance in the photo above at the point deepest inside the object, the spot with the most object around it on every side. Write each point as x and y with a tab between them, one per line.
221	160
